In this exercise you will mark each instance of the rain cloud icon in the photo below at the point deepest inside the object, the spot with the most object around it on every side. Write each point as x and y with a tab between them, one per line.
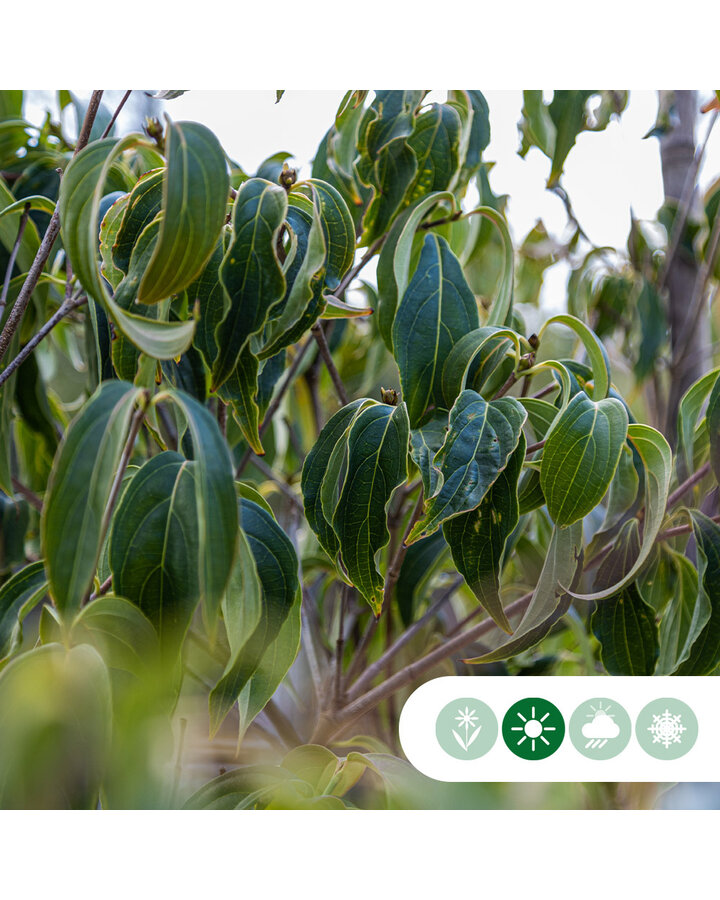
600	730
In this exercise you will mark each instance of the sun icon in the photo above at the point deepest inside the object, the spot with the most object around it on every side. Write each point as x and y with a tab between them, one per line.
533	728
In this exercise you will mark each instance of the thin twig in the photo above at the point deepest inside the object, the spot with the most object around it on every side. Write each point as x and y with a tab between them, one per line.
687	484
375	668
282	485
340	647
31	497
318	333
393	572
361	649
532	448
353	273
115	114
277	400
103	589
63	310
13	257
697	301
46	245
678	530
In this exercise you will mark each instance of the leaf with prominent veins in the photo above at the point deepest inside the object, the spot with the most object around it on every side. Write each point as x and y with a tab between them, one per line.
436	310
481	437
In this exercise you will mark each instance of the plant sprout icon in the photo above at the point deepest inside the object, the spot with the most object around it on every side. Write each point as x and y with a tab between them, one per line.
601	729
469	720
533	729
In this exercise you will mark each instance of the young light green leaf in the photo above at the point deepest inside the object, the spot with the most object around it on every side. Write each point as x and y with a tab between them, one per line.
33	203
481	438
195	193
142	205
250	272
501	310
474	358
83	472
377	464
436	310
680	586
477	539
581	455
424	445
712	420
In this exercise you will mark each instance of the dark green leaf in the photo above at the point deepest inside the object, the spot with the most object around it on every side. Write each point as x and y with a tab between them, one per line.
481	438
195	194
18	596
437	309
477	539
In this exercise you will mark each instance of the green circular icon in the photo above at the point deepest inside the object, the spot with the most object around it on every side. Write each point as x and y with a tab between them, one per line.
666	728
466	728
533	728
600	728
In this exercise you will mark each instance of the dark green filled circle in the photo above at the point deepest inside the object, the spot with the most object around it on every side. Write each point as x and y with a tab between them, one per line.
533	728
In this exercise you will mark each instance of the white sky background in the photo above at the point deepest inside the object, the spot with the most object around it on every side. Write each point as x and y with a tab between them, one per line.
606	173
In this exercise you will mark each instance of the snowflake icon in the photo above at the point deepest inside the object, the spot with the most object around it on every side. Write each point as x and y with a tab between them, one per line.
667	729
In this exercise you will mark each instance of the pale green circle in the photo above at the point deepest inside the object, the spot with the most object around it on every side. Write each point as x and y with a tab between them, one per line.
666	728
466	728
600	728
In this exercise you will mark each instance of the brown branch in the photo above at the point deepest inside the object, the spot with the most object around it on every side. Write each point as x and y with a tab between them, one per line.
46	245
318	332
687	484
63	310
31	497
393	572
116	114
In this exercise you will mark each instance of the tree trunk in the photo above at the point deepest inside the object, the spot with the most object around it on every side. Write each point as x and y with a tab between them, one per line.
677	150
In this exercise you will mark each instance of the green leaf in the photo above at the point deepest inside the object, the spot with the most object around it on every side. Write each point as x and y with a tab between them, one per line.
250	271
625	626
314	469
81	192
477	539
625	623
154	546
304	284
393	270
680	586
34	203
567	112
273	667
120	633
581	455
142	205
390	176
597	354
195	193
712	420
701	653
18	596
56	727
436	310
474	358
501	311
338	231
656	458
435	140
424	445
208	296
72	522
240	392
276	570
481	438
550	601
214	498
689	409
377	464
417	568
